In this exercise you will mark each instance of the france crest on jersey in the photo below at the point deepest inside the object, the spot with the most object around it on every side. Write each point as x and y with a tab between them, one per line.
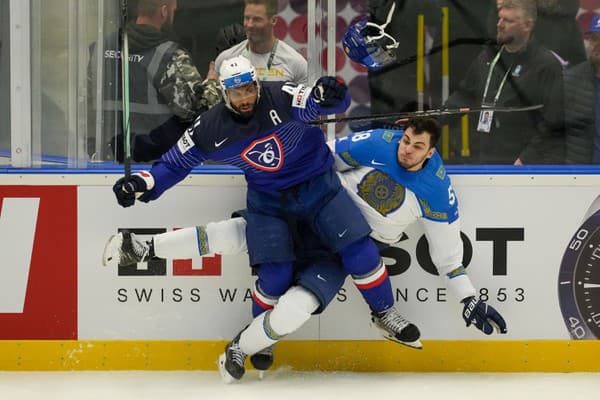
377	149
265	154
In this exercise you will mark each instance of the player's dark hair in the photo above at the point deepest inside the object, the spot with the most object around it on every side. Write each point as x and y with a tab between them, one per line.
425	125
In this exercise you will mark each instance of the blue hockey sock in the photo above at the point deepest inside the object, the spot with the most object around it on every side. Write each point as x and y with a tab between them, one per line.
258	308
362	261
376	289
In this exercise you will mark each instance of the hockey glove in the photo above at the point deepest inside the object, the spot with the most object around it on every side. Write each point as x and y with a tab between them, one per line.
125	188
329	91
483	316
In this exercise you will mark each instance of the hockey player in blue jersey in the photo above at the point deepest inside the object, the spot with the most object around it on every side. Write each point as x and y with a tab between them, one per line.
402	181
263	129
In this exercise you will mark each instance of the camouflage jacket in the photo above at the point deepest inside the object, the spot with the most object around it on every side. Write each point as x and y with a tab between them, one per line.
187	95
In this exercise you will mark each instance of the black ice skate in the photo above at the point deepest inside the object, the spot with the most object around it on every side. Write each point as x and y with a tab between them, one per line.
396	328
125	248
232	362
263	360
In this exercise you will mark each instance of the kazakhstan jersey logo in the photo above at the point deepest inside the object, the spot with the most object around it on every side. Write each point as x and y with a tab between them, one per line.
381	192
265	154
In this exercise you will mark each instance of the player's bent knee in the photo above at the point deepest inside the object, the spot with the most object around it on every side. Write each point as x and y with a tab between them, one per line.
293	309
274	279
360	257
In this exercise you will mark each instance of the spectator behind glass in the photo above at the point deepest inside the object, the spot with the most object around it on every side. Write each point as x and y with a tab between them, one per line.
166	90
556	29
516	73
582	104
468	32
273	59
393	88
152	146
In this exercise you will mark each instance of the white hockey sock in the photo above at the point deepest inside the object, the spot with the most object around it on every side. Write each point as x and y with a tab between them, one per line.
459	284
227	237
292	310
224	237
180	244
254	338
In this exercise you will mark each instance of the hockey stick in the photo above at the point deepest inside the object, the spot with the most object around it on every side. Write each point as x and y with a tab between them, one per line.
125	90
428	113
434	50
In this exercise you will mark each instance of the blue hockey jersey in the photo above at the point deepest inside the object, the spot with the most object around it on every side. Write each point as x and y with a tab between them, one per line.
275	148
377	149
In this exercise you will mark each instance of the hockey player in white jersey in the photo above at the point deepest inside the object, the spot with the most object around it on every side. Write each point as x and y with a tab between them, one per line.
403	165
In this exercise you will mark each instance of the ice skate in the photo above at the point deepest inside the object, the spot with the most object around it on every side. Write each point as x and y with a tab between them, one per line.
262	361
396	328
231	363
125	248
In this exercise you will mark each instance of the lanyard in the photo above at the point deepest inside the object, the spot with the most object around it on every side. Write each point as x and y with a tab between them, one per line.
489	78
271	56
273	50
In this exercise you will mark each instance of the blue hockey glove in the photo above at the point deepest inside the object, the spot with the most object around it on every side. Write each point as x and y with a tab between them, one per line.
329	91
125	189
483	316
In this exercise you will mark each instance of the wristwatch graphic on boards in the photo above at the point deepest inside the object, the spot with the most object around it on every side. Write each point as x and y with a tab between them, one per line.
579	278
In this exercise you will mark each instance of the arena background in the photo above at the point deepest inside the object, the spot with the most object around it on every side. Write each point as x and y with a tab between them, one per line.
60	310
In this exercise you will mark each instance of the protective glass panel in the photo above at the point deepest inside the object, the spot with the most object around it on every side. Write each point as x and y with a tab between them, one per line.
445	59
333	19
441	61
169	58
103	83
4	85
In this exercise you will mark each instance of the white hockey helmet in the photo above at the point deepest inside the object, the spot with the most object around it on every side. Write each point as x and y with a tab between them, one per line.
235	72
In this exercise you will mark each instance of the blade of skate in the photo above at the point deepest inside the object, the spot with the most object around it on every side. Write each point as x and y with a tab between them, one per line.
225	376
413	345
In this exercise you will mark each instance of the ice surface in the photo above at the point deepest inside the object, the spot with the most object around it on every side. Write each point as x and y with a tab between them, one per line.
285	383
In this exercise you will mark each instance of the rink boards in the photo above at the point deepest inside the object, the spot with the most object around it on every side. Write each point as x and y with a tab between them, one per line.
61	310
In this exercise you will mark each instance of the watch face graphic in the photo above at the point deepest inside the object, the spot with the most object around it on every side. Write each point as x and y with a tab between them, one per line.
579	279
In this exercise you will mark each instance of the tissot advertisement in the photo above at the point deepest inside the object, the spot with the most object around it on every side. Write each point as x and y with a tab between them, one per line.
531	252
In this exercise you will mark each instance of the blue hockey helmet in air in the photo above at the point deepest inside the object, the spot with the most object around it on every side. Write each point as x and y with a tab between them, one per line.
367	44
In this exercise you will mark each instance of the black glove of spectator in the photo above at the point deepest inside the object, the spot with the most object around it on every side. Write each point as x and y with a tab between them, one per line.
149	147
483	316
329	91
229	36
125	190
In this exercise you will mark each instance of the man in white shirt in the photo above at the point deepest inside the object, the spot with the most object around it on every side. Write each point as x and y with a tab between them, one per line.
273	59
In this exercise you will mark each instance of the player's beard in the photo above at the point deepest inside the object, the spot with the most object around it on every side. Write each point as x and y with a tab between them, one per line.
246	109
